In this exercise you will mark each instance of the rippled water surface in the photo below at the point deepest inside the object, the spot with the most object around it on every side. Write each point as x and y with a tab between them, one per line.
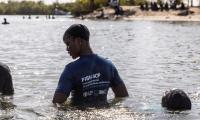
151	57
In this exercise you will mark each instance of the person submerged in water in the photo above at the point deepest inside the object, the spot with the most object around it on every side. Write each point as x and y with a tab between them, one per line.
6	85
5	21
89	77
176	99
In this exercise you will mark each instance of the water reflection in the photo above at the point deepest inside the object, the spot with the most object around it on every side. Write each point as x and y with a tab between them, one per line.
6	103
6	107
115	112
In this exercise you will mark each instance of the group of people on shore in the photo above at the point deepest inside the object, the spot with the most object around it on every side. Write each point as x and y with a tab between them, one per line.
155	6
89	77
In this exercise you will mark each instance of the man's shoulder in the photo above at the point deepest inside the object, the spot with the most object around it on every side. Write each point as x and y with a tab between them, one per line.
81	62
104	60
73	65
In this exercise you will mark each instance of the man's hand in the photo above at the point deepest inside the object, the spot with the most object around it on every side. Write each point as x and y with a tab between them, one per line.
59	98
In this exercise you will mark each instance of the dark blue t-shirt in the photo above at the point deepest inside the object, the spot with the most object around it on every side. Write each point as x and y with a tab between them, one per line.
88	79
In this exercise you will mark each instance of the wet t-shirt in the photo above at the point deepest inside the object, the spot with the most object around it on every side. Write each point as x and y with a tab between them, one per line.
6	85
88	79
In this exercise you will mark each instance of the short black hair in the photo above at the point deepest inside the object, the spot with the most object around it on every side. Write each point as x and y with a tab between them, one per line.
78	30
176	99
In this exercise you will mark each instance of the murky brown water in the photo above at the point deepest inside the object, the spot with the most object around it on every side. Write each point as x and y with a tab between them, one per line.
150	56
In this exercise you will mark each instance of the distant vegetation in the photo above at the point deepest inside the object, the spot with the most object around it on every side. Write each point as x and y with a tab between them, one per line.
77	8
81	7
26	8
39	8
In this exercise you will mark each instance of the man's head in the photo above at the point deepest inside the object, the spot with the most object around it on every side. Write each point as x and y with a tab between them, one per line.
176	99
77	31
74	37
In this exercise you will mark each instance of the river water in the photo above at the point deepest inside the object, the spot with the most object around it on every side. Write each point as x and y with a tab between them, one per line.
151	57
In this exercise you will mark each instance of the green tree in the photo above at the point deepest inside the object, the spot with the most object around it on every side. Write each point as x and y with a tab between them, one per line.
2	8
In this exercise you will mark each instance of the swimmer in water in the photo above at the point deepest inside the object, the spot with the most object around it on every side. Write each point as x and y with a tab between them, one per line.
6	84
176	99
5	22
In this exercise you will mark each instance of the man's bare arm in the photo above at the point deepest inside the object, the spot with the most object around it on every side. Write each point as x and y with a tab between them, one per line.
120	91
59	98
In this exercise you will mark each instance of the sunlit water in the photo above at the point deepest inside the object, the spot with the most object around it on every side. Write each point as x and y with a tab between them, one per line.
151	57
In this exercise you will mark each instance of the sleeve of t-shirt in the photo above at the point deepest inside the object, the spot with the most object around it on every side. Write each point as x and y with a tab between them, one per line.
116	79
8	85
65	82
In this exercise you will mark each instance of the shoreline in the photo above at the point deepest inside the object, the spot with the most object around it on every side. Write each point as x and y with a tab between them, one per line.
132	13
164	18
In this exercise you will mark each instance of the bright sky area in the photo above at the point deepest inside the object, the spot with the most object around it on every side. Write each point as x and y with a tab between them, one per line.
45	1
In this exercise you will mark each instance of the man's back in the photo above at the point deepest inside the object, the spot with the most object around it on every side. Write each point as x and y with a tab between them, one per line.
91	76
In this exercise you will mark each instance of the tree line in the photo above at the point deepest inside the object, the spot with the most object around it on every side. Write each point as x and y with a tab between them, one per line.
79	7
31	8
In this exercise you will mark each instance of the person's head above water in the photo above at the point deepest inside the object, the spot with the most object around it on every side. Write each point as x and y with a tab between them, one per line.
176	99
76	38
6	85
5	21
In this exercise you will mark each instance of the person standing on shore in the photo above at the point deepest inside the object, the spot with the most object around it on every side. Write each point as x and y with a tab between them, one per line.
6	85
89	77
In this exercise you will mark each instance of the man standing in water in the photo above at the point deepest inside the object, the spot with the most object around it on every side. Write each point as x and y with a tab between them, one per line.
6	85
89	77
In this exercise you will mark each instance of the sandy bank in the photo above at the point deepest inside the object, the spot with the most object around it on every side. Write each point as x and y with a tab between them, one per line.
134	13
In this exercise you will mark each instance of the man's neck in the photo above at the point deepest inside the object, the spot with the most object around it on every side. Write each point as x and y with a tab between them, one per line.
87	51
